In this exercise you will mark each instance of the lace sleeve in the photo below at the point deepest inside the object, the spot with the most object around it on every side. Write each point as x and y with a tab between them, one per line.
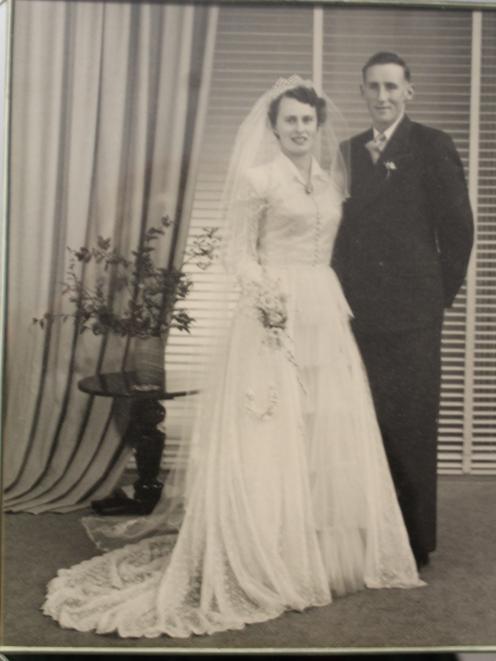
243	217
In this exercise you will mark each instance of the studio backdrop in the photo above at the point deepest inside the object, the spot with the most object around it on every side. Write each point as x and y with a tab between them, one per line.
105	117
107	107
453	61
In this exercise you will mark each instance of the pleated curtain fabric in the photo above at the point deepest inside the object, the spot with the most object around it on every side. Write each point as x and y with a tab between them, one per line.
106	105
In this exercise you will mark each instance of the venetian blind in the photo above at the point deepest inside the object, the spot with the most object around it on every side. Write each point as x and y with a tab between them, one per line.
483	455
437	46
255	46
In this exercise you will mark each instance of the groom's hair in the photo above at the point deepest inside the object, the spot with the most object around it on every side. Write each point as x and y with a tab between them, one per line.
386	57
302	94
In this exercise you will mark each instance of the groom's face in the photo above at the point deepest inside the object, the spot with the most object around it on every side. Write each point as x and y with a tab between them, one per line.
386	92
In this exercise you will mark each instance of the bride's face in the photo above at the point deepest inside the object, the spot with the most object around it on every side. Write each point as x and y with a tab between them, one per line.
296	127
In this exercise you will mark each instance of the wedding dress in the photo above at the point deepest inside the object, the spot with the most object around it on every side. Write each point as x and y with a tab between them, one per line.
291	502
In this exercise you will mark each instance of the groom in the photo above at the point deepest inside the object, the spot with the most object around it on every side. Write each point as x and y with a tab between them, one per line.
401	254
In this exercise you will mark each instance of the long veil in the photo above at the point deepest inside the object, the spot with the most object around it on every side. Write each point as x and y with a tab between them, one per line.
255	144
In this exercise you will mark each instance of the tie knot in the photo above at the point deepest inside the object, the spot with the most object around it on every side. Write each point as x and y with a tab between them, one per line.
380	141
376	146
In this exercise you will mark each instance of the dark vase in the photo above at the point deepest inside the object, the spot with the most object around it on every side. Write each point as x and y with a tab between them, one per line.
149	360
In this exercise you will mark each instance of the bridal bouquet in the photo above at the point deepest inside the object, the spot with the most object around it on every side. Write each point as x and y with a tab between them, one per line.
271	308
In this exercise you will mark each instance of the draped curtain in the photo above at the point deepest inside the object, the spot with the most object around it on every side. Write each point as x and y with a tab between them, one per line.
107	106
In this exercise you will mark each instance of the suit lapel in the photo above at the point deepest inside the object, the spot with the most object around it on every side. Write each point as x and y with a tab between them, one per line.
399	144
369	179
363	169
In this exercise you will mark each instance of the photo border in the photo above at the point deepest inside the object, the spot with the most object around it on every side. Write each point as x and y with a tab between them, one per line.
6	45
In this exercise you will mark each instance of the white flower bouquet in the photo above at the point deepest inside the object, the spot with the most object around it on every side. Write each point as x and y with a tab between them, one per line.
271	307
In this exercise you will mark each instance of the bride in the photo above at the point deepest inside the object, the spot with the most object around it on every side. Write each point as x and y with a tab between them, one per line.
289	500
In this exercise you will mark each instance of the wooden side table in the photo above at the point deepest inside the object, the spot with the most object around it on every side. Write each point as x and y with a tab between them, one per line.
146	412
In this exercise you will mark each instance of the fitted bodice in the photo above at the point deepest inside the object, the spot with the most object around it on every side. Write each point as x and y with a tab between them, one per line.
299	229
295	228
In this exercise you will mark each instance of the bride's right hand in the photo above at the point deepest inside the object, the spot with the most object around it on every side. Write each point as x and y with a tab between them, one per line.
250	273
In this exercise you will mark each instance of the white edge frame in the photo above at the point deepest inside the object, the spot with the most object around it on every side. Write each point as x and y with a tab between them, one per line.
5	45
473	177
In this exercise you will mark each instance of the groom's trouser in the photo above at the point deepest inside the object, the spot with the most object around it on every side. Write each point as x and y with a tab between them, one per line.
404	370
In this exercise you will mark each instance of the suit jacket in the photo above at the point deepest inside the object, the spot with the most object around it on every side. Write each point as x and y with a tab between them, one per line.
404	243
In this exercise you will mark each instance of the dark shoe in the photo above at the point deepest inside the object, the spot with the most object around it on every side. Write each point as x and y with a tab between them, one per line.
422	559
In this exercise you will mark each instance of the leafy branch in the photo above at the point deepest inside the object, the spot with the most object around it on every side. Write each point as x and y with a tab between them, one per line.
132	296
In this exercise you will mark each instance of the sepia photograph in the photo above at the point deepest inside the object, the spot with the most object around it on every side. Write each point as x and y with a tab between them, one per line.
248	327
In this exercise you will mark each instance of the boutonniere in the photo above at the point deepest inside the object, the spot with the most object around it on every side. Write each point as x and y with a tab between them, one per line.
390	167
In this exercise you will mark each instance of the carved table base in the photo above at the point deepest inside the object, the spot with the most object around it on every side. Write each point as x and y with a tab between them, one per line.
148	443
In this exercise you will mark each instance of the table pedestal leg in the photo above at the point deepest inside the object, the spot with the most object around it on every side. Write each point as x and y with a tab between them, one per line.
148	443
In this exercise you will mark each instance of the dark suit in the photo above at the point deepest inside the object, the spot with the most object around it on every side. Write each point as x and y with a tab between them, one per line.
401	254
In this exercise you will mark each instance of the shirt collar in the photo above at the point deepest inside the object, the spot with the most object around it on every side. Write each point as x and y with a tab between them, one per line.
291	170
390	130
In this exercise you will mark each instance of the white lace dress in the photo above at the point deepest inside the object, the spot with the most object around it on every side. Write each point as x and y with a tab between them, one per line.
292	502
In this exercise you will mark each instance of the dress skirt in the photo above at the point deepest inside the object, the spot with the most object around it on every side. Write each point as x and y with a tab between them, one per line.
290	499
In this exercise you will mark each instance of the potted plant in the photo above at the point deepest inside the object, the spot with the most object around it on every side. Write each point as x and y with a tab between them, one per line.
134	296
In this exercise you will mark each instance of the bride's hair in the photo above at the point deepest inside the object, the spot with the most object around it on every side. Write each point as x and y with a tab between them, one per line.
303	94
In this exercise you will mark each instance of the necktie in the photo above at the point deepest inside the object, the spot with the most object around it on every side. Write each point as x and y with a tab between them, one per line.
376	146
